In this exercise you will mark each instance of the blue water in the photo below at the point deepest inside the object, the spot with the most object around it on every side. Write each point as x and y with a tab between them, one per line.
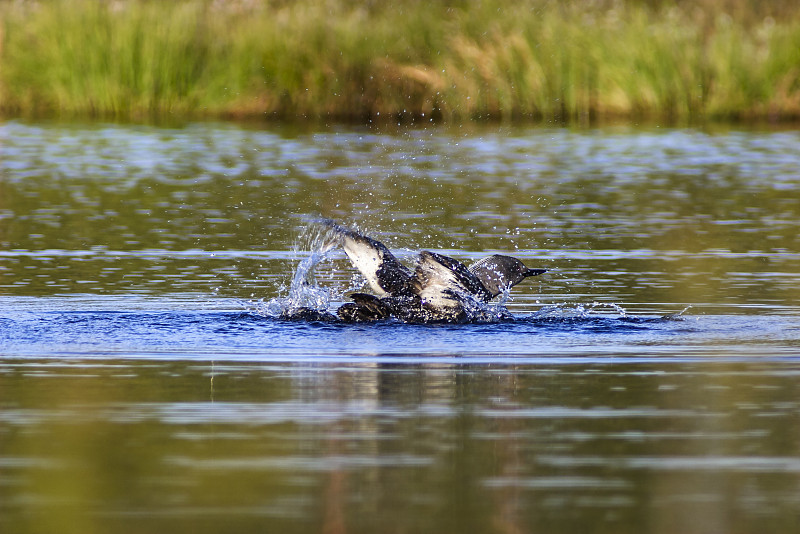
137	328
649	381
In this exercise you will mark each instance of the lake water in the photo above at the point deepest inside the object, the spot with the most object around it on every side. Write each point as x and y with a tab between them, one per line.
650	381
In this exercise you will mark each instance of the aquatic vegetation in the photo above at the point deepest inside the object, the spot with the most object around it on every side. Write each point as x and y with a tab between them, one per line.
498	59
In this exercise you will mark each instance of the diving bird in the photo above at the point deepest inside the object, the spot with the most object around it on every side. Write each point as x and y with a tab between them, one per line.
438	289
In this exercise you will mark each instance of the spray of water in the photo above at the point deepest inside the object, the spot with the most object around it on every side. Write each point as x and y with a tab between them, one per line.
677	316
580	311
303	290
318	243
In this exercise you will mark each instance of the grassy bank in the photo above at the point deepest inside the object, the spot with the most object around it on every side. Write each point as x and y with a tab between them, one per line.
355	60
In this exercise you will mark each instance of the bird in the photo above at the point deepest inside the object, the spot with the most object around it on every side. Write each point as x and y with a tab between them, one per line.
438	289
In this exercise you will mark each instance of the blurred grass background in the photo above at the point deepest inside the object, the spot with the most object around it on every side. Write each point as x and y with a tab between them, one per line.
362	60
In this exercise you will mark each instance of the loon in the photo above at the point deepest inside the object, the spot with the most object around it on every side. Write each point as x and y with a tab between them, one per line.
438	289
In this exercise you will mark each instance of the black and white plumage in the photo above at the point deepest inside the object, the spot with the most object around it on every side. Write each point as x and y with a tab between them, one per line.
439	289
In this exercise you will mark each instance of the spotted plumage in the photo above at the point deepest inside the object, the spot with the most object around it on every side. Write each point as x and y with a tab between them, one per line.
438	289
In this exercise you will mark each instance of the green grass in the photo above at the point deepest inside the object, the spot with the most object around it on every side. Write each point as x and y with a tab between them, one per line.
353	60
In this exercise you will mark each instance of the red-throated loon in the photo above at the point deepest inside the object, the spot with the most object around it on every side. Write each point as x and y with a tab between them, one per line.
439	289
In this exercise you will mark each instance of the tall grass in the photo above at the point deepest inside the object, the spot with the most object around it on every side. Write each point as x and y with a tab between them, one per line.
443	59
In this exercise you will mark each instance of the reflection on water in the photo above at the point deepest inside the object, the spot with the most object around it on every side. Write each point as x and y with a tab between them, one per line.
705	447
139	392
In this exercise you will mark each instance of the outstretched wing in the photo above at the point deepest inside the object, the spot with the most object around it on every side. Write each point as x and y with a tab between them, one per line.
442	282
384	273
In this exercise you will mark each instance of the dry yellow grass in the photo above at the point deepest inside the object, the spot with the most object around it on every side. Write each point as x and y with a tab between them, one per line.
497	59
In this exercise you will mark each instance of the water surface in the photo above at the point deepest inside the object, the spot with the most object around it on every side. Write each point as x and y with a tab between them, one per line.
648	384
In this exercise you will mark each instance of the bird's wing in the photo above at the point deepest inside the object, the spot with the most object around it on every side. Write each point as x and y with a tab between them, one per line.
384	273
441	281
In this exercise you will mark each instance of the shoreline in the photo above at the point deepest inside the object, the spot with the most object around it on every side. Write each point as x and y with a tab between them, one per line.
533	62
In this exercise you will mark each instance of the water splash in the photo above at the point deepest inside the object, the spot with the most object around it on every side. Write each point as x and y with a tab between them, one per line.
677	316
580	311
482	312
303	290
308	299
